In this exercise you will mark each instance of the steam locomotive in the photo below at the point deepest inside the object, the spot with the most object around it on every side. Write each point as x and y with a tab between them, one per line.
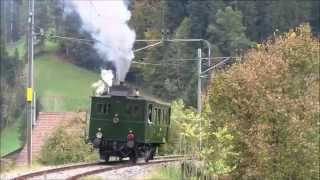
124	124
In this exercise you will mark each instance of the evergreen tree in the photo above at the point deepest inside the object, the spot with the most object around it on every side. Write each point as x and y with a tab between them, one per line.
288	14
228	32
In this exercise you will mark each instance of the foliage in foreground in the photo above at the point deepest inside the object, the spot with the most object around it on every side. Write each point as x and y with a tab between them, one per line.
67	145
270	104
261	117
166	172
184	138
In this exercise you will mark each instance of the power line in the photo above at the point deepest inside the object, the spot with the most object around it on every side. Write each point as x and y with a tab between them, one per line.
95	9
224	60
155	64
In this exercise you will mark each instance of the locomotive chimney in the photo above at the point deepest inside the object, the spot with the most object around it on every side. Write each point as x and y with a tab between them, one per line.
116	80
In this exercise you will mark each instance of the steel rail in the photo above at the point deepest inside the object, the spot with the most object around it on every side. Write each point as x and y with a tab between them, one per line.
111	168
83	165
53	170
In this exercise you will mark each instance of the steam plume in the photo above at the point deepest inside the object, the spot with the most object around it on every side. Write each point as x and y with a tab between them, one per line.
107	76
103	85
107	20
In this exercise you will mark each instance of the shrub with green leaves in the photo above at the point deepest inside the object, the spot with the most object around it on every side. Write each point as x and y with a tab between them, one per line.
65	146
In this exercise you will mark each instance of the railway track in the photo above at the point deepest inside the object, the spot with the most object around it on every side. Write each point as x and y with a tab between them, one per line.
77	171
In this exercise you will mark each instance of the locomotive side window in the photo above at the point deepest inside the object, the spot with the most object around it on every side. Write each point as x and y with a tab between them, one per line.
159	116
150	113
167	116
154	115
164	116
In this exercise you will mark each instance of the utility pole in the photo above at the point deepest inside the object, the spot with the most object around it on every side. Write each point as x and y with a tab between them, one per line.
199	81
29	99
199	106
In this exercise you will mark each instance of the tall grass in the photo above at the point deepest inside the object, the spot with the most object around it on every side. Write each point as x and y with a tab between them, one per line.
167	172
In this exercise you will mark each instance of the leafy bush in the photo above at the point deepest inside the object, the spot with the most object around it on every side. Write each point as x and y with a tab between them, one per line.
67	145
270	104
184	138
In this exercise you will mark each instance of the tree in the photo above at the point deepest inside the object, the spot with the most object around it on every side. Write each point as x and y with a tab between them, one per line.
11	96
269	102
228	32
285	15
174	12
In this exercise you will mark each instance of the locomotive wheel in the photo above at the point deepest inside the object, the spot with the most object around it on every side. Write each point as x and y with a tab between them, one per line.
147	156
133	159
106	157
103	155
152	156
153	152
133	156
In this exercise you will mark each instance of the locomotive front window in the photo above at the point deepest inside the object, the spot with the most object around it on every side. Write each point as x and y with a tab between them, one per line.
109	108
129	109
104	108
132	110
136	109
99	108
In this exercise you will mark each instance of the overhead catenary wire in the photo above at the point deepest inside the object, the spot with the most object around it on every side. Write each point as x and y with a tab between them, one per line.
225	59
155	64
90	41
95	8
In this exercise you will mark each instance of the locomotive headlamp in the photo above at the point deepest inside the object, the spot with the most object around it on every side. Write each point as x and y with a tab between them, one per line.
115	119
99	135
136	93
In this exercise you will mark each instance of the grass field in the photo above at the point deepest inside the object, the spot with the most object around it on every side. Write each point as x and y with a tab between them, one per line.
9	140
62	86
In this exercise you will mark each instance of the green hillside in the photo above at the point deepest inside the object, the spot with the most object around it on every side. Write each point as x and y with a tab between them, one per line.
9	139
62	86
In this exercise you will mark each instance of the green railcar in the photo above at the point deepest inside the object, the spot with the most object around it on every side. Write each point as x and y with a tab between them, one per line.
121	112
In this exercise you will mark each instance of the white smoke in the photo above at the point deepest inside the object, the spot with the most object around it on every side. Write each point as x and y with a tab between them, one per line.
107	20
103	85
107	76
100	87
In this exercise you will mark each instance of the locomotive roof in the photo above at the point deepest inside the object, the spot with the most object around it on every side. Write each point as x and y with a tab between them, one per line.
129	93
141	97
